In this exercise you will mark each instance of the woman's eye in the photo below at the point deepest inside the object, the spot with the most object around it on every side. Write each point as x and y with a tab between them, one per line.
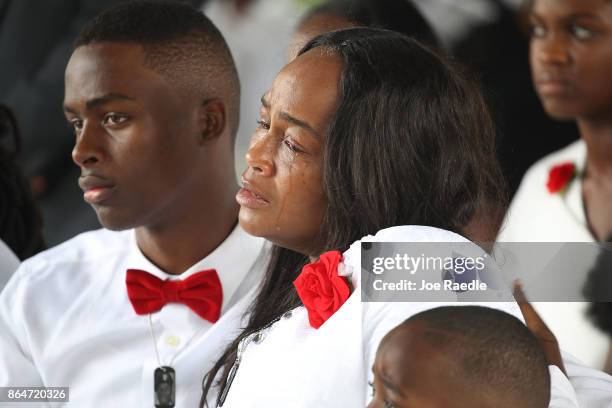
371	384
388	404
262	124
537	30
292	146
581	33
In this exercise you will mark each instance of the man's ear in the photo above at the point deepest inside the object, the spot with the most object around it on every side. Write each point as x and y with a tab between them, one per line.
212	119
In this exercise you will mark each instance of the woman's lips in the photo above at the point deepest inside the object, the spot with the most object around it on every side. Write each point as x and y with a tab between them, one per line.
249	199
553	84
553	88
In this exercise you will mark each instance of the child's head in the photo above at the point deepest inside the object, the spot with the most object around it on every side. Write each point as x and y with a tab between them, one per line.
460	356
571	56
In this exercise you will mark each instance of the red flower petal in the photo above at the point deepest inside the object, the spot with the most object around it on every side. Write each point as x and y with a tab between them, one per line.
321	289
560	176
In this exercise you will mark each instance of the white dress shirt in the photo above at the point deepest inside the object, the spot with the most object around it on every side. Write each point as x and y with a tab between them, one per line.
536	215
66	320
563	395
294	365
8	263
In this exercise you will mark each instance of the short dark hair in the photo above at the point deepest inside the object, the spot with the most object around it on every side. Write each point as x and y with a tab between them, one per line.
493	350
179	42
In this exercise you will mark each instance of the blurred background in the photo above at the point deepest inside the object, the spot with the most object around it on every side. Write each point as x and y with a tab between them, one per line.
36	41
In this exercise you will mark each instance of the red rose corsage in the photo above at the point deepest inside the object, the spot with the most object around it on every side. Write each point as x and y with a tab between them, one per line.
322	290
560	176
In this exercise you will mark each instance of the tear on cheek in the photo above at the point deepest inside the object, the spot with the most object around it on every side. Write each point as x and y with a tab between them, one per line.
287	157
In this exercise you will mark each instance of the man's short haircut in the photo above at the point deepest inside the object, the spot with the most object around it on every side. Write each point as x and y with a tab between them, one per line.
494	351
179	42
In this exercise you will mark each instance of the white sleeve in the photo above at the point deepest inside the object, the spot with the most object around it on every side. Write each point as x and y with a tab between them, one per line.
593	387
562	394
17	367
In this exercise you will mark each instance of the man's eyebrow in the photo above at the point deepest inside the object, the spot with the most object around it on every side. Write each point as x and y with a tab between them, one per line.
101	100
291	119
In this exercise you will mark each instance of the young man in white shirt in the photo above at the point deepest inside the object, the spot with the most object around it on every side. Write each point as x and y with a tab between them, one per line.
152	93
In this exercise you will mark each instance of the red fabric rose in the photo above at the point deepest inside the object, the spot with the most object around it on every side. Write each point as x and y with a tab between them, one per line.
321	289
560	176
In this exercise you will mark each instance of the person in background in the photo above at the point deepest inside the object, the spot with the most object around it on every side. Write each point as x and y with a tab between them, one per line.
399	16
12	189
563	197
20	219
497	49
134	313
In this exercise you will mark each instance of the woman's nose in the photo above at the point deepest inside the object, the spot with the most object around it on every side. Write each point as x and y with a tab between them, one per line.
260	156
552	50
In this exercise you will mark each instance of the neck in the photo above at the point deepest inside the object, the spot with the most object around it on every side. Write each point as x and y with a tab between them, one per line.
598	139
191	233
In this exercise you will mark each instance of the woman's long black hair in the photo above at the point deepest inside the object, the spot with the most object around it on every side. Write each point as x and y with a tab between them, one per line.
411	143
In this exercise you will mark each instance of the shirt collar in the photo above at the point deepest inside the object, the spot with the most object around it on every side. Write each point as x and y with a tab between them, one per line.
232	260
573	196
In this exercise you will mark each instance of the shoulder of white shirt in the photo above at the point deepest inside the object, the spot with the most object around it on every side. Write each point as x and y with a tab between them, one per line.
90	246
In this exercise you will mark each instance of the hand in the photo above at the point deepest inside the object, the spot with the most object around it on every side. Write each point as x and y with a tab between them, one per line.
534	322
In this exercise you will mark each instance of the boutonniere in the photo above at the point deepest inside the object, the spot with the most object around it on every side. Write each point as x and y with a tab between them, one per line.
560	176
323	287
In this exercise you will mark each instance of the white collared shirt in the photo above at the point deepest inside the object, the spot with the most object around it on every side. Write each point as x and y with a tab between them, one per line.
562	392
536	215
66	320
293	365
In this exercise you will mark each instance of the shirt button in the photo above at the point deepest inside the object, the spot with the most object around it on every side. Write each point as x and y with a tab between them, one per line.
173	341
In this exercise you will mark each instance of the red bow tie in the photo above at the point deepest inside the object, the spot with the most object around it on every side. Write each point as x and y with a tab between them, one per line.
201	292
